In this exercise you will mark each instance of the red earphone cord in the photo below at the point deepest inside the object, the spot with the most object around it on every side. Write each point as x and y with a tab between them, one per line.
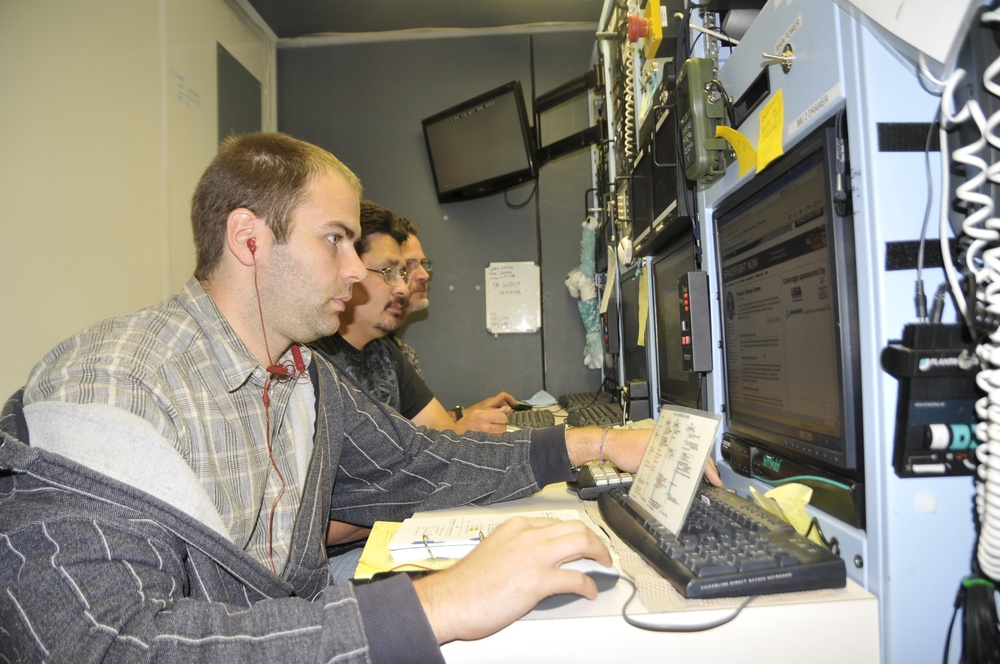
279	372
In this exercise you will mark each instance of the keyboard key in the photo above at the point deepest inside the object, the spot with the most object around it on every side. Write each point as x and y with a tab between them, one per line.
574	400
602	414
534	418
714	567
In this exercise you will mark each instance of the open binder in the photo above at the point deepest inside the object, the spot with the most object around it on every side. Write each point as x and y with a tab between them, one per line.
433	537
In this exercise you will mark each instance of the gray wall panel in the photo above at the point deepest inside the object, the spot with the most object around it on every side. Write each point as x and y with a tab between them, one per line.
364	102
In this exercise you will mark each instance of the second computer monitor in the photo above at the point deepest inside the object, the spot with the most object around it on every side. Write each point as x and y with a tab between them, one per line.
634	359
675	384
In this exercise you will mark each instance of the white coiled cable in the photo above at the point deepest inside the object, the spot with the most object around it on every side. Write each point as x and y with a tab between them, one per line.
629	110
982	260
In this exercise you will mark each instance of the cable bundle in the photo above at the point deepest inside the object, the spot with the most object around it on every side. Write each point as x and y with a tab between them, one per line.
982	262
979	304
980	637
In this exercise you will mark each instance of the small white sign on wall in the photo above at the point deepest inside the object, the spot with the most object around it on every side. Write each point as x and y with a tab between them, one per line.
513	297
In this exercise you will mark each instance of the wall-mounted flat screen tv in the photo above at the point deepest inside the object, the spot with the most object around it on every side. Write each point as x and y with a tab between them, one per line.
481	146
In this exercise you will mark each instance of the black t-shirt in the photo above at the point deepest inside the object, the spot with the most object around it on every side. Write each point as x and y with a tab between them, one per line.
381	369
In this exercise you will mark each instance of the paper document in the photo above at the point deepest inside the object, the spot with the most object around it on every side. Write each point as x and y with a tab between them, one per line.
673	464
430	537
912	27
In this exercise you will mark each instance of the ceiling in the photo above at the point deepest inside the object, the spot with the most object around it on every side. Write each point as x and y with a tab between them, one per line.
291	19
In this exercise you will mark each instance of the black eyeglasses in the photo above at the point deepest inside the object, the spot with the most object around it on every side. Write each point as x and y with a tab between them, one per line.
426	264
393	274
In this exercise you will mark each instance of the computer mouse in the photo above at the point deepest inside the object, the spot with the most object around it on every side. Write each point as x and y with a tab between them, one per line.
606	578
521	405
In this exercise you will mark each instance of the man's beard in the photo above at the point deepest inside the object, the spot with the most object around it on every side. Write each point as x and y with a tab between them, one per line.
417	303
393	323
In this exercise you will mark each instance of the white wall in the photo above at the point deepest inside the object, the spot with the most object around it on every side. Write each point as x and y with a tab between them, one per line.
107	119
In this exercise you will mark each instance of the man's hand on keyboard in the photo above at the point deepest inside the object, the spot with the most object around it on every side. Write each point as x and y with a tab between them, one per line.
622	447
712	473
490	420
498	400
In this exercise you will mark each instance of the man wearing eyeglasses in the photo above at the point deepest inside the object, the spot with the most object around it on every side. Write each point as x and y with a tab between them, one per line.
376	310
418	265
364	349
419	268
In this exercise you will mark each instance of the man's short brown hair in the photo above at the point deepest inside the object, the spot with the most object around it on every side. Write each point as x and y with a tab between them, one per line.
267	173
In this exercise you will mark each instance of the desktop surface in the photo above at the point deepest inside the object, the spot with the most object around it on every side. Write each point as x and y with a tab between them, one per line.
809	626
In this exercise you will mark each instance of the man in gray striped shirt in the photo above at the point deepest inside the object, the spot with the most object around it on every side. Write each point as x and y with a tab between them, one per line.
167	478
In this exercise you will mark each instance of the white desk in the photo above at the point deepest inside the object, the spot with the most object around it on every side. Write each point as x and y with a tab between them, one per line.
840	628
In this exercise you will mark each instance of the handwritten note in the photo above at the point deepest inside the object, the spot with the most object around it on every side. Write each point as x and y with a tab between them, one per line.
672	466
772	118
513	297
643	309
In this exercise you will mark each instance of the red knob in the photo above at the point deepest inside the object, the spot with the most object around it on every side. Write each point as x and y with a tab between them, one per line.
638	27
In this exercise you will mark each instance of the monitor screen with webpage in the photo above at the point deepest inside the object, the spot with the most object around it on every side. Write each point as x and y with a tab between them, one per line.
789	313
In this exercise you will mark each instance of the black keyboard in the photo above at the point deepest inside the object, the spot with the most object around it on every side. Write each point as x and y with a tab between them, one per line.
601	414
533	418
583	399
727	547
596	477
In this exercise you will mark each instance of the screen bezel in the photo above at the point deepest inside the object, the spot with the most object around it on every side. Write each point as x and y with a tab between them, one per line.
503	178
641	196
635	358
689	393
847	458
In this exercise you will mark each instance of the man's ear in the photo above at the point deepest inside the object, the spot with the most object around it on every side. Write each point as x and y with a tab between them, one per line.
242	225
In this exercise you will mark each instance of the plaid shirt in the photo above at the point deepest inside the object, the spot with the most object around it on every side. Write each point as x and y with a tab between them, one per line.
182	368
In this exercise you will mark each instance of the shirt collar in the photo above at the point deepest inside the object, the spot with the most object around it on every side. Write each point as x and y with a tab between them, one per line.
237	364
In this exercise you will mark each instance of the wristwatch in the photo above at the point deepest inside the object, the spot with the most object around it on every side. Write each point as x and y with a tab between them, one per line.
457	411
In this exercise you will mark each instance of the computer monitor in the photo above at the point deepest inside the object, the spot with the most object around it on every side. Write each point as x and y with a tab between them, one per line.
657	164
481	146
675	385
789	313
663	155
641	191
634	357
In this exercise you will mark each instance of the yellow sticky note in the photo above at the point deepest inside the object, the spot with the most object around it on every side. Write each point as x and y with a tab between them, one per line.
643	307
788	503
746	156
770	145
